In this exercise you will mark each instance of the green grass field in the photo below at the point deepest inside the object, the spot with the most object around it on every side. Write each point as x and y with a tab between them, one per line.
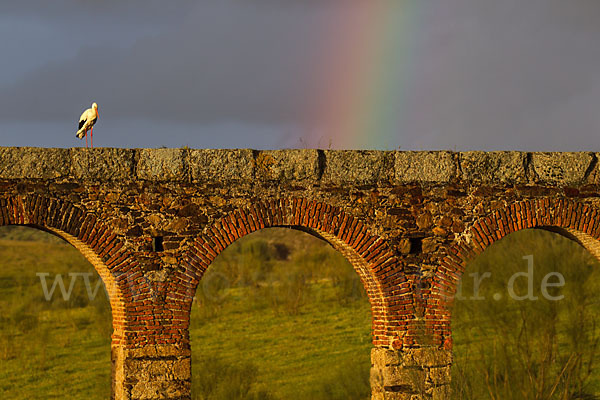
50	350
290	307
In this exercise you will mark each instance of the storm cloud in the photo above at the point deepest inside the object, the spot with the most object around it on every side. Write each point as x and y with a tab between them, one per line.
491	74
219	62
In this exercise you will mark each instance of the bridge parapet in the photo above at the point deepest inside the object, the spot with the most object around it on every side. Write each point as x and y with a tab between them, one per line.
329	167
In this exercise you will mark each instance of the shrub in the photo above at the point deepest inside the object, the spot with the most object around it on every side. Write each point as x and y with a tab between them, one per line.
217	380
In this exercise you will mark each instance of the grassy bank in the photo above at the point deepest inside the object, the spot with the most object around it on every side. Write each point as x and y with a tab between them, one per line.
50	349
528	342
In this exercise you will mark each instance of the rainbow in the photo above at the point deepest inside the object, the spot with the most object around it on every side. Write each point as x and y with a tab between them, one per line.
365	77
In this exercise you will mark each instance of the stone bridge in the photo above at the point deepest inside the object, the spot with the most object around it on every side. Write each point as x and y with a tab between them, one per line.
152	221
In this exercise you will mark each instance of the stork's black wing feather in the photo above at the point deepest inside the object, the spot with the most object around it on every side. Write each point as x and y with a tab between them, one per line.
81	123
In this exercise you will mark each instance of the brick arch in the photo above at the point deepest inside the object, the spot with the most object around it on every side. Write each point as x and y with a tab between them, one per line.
574	220
93	239
370	255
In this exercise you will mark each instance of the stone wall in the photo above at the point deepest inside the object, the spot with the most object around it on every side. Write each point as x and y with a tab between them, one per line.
152	221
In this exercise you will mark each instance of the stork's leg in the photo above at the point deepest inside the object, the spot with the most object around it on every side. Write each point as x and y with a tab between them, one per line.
86	141
92	137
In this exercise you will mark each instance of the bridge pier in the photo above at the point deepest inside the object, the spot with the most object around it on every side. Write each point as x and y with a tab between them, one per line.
151	372
410	374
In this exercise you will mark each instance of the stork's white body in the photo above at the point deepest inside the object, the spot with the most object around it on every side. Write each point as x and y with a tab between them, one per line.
86	123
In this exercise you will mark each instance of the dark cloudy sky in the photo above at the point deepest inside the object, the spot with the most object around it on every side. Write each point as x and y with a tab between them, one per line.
486	74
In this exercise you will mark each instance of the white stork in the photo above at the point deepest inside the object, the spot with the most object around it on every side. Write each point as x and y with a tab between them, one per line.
86	123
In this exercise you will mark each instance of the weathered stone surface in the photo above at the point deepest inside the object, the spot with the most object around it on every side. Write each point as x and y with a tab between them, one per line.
408	378
182	369
155	351
159	390
394	396
594	172
426	357
157	276
400	396
357	167
161	165
440	376
295	165
409	372
151	369
493	167
382	357
424	220
102	164
561	168
221	165
424	166
331	167
33	163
